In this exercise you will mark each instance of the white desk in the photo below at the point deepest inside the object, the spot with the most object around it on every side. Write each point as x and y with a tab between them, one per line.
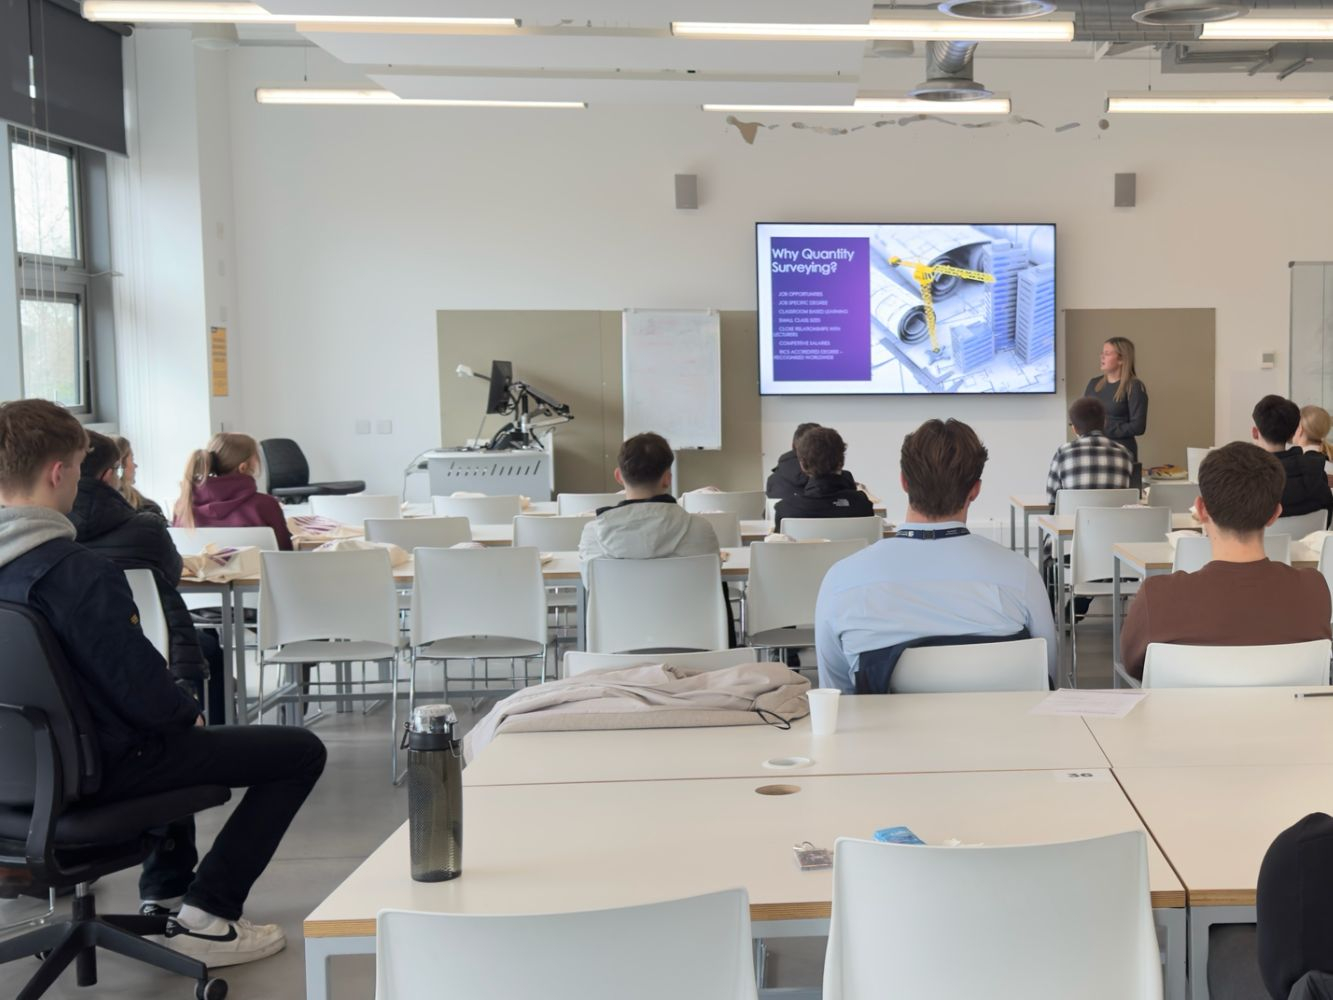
562	569
1219	727
1215	824
545	848
1029	504
1145	559
876	735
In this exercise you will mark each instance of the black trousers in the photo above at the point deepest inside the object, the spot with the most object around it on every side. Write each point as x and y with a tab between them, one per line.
278	765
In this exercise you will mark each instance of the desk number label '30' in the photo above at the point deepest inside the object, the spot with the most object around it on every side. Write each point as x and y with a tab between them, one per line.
1083	776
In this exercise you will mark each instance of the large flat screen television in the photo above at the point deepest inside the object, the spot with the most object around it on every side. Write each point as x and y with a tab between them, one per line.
844	308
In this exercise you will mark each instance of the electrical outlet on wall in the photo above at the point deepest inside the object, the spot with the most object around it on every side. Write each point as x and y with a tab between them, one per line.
384	427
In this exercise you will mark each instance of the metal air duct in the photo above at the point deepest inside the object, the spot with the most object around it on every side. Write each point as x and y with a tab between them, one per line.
949	74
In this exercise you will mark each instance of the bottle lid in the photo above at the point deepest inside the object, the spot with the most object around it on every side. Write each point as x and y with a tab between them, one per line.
433	719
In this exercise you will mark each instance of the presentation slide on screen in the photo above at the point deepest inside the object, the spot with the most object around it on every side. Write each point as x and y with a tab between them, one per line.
846	309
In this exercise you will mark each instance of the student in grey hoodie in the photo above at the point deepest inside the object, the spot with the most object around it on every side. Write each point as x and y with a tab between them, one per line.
648	523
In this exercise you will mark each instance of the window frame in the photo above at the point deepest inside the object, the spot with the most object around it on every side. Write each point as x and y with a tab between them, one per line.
43	277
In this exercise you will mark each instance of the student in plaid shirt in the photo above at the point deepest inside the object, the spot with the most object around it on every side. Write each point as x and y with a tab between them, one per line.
1092	461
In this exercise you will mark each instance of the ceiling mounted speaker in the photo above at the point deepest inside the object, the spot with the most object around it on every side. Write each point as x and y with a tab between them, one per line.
996	10
1170	13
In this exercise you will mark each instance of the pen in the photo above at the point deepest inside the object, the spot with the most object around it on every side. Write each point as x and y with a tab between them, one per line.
1314	694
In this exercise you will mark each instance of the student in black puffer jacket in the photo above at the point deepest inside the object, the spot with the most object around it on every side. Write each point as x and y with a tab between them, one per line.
787	480
111	527
827	492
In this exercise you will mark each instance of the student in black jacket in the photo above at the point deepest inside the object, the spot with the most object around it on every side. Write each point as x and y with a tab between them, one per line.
149	732
110	526
1275	422
827	492
787	480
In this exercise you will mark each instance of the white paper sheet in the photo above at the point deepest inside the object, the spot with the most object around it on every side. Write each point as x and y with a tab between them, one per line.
1110	704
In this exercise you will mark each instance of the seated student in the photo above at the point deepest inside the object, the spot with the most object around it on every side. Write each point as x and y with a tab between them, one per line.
106	523
933	579
1092	461
219	490
787	479
1276	421
821	452
147	729
648	523
1240	598
1294	906
129	469
1312	435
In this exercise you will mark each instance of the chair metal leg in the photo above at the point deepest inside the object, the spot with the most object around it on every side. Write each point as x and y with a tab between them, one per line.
393	721
61	954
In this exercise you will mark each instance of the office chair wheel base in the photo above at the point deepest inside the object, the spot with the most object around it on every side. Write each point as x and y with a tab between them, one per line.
211	989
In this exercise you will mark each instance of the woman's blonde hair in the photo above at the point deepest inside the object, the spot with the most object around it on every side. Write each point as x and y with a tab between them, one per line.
225	454
1125	348
1315	425
127	490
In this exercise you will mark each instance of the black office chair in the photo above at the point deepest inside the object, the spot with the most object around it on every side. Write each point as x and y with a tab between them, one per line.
289	474
50	835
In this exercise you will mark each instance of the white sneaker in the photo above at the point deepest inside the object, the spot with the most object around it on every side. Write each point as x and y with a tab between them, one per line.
226	942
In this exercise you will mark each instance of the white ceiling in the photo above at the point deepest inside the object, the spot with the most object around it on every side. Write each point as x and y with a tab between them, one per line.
636	13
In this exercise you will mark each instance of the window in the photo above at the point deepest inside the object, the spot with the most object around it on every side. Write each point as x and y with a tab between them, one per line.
53	277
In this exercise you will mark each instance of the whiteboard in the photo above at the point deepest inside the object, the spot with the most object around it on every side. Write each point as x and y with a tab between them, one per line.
673	375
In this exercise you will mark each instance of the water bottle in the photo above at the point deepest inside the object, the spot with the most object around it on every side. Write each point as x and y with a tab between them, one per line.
434	794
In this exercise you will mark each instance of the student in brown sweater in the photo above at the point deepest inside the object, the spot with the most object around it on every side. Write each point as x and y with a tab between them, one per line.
1240	598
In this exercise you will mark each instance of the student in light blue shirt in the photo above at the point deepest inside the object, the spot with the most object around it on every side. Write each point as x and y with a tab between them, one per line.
934	578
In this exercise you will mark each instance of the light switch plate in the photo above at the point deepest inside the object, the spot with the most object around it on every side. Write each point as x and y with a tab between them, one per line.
363	426
384	427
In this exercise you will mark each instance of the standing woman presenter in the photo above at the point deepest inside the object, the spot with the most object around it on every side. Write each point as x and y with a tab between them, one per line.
1123	394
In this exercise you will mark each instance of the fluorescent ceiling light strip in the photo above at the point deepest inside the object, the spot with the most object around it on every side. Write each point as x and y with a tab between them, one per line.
904	29
364	97
876	106
1263	28
1204	104
171	12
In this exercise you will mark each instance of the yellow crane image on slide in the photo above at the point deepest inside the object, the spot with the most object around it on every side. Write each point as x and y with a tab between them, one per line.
925	275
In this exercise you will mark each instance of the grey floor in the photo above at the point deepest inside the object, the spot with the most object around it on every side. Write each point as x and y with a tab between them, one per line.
350	812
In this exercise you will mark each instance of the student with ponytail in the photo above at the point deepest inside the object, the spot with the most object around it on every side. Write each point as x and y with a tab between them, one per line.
219	490
128	470
1312	434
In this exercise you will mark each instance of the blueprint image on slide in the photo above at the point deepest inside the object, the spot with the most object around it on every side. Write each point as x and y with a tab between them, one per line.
991	289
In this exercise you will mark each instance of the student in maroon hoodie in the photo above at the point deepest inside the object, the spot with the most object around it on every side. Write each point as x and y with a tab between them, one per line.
219	490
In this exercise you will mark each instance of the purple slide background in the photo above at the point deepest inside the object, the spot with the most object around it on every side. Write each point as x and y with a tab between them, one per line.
846	356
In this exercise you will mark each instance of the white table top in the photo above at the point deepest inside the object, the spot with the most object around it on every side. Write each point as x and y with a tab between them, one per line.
1199	727
1063	524
876	735
1216	823
548	848
503	534
1031	502
1160	556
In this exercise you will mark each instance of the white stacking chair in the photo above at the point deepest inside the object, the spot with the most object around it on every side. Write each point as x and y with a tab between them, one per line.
1300	525
410	533
697	948
479	510
571	504
1069	501
354	508
1193	459
577	662
548	533
326	607
1032	922
1293	664
1097	530
191	541
834	529
1020	665
726	525
783	587
152	619
747	505
1177	497
770	505
1194	552
672	604
478	605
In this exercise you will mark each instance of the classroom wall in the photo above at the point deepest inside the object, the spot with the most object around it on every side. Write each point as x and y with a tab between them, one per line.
353	227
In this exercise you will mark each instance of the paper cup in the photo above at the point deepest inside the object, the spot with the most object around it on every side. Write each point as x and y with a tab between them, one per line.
823	711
